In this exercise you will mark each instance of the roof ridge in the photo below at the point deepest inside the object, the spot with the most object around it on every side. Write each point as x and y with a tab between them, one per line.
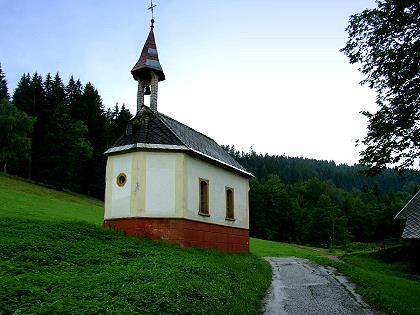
401	213
187	127
169	127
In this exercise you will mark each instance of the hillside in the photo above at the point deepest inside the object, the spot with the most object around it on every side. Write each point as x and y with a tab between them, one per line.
56	259
23	199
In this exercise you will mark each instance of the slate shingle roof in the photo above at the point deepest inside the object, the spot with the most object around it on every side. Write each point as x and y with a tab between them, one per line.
411	212
147	128
154	130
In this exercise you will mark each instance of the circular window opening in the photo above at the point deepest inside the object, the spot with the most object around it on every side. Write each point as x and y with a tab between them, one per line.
121	179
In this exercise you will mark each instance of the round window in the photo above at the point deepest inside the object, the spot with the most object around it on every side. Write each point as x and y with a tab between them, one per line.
121	179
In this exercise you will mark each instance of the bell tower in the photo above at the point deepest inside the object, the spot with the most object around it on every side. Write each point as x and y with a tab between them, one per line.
148	71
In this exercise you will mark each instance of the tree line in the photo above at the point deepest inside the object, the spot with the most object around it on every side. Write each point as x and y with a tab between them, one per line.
66	131
316	202
297	169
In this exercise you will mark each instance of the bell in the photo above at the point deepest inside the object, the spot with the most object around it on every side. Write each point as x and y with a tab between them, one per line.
147	90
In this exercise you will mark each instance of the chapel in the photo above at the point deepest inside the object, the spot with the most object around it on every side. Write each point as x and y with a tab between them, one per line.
165	180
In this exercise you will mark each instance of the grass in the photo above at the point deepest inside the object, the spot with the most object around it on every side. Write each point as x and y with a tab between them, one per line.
55	258
53	264
390	287
76	267
23	199
277	249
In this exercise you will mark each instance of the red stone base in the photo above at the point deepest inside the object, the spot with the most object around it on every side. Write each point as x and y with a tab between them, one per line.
185	232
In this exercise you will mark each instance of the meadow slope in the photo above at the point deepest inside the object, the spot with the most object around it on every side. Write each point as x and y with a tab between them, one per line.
57	259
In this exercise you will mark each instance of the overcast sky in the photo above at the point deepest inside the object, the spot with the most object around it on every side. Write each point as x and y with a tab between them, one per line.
266	74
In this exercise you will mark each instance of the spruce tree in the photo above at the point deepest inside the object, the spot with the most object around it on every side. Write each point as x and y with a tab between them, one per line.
48	83
57	96
65	150
50	146
22	96
4	92
16	127
74	91
38	169
121	119
94	117
29	96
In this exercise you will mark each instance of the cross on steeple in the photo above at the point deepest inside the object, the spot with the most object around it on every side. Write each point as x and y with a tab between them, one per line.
151	9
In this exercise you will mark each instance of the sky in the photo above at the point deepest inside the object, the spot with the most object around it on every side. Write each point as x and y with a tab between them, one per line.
263	74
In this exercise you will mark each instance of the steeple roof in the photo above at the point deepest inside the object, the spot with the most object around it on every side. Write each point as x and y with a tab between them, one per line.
149	60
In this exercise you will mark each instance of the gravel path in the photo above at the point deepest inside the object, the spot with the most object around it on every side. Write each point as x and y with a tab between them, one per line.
302	287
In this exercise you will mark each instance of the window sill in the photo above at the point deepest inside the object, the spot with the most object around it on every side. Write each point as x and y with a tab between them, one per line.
230	219
203	214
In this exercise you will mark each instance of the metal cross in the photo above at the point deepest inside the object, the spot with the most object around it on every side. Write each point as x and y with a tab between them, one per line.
151	7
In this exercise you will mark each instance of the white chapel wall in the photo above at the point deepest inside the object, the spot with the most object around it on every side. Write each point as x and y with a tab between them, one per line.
218	179
166	184
160	184
120	195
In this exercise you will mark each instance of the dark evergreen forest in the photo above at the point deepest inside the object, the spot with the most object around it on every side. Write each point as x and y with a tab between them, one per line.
308	201
71	132
291	199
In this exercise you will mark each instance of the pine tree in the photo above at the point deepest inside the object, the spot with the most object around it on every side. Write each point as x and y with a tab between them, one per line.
16	126
22	96
74	91
4	92
38	170
54	95
95	119
38	97
30	97
66	149
52	155
121	119
48	87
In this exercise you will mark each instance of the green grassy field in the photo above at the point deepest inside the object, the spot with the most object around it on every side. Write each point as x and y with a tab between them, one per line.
391	287
277	249
22	199
55	259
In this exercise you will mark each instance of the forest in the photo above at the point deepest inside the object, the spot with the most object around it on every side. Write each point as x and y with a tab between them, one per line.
308	201
57	134
71	129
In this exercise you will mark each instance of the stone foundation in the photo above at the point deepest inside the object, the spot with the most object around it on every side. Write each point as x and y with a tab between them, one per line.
185	232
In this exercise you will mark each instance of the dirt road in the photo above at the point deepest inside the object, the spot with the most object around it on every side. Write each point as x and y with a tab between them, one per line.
302	287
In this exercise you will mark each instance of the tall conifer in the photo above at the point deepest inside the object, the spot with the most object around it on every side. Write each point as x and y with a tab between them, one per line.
4	92
121	119
74	91
37	108
95	118
22	96
16	126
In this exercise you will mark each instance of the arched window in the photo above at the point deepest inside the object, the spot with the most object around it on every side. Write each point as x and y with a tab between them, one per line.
230	204
204	196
